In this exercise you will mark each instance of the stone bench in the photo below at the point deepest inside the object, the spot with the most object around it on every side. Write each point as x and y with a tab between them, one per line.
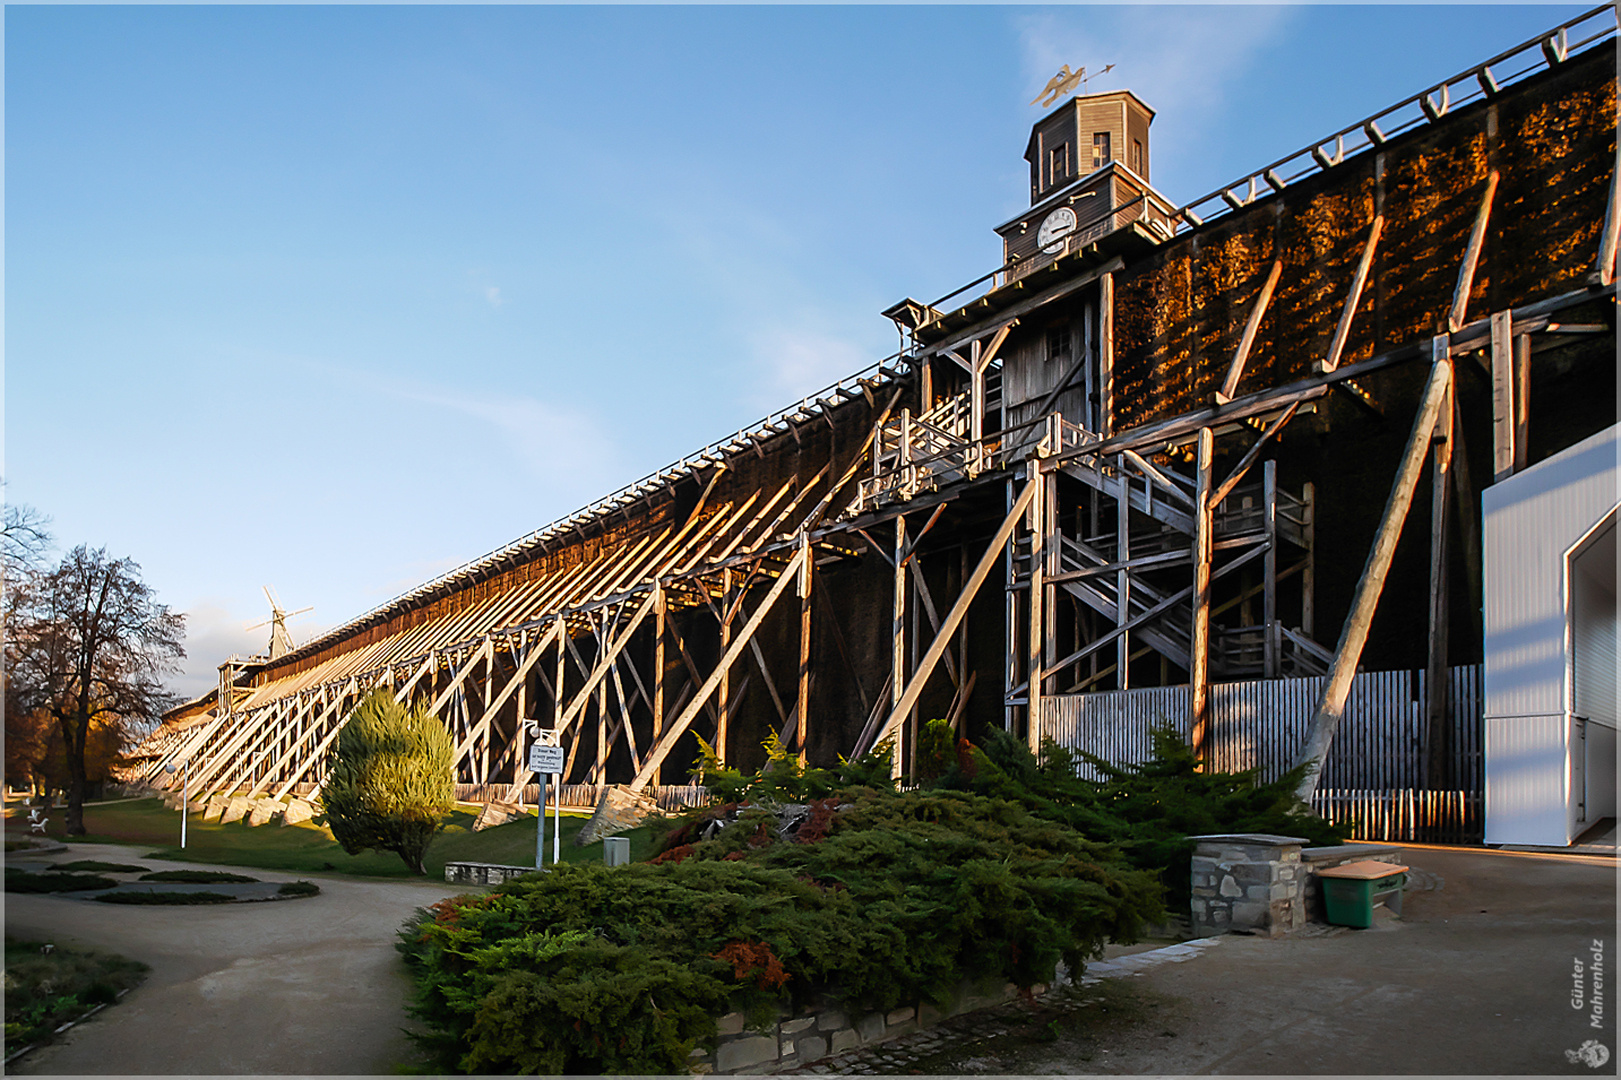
479	873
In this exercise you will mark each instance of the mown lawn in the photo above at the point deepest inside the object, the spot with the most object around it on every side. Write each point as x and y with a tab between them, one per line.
310	848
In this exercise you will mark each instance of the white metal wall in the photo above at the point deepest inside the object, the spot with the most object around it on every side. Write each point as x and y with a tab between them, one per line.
1532	520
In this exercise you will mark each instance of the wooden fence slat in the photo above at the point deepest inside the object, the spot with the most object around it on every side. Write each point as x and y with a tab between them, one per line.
1373	777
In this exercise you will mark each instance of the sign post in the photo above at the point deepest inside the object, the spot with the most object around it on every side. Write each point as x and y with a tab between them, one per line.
545	759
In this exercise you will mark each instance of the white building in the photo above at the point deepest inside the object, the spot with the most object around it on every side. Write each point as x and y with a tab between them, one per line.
1550	596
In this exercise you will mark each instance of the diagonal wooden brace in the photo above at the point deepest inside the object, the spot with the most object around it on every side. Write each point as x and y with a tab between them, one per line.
993	554
667	740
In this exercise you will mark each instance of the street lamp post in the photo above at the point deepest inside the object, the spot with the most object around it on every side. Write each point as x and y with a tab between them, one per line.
185	796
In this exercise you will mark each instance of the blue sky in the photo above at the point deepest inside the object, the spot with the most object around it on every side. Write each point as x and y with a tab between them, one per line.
338	298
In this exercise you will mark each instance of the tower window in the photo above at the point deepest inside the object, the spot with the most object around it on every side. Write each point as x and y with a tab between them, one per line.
1058	344
1057	163
1137	157
1100	150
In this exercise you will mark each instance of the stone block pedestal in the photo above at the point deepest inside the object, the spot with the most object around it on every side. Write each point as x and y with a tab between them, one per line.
1248	882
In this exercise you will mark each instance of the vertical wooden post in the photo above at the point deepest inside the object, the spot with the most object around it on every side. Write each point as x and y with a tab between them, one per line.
1199	645
1308	577
926	385
1049	634
1269	601
1106	355
962	647
1522	401
1435	727
914	634
723	694
489	689
1010	628
1504	383
1314	751
1122	578
897	626
600	773
658	673
1036	520
802	704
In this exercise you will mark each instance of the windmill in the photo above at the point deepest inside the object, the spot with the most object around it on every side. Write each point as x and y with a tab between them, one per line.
281	642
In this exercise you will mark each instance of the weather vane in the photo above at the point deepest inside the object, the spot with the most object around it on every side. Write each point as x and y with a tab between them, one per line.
1065	81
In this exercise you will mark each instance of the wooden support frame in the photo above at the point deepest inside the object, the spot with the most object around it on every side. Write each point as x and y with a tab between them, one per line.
1603	273
1471	257
1331	706
914	687
807	567
1199	642
1235	372
657	752
1435	712
1342	332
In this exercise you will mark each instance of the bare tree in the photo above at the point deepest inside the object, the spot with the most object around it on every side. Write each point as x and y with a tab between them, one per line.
87	642
24	538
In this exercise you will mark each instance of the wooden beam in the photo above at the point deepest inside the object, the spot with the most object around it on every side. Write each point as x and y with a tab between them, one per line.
1022	308
609	653
1522	401
1229	385
914	687
802	701
1354	635
897	631
1343	331
1271	660
1036	610
518	677
1199	644
1106	354
1471	257
1505	415
1604	268
485	651
1122	587
293	747
1243	467
920	586
678	727
1435	719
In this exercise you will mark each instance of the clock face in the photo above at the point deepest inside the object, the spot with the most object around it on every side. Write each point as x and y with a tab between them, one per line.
1059	224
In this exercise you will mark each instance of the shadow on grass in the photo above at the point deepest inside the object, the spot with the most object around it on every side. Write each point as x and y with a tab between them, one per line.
310	848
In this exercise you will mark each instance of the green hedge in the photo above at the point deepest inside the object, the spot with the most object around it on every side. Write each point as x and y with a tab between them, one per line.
900	897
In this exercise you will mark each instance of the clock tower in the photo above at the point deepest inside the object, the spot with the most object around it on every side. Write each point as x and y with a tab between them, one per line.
1088	161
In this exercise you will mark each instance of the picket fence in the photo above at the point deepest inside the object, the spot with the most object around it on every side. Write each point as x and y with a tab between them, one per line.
1374	777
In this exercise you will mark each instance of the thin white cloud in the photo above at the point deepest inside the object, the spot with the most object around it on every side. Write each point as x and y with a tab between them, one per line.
566	450
1185	61
791	362
492	296
213	633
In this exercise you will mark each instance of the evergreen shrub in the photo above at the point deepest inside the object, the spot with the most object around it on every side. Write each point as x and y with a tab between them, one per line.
390	779
1148	810
896	897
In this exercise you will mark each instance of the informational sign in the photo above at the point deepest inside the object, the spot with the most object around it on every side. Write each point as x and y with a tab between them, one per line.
545	759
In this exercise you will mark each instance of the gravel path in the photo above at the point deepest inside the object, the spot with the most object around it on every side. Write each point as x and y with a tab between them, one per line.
310	986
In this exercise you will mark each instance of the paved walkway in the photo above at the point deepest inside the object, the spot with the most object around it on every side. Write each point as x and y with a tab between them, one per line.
1475	979
310	986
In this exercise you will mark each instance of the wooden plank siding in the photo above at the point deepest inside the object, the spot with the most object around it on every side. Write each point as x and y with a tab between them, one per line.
1374	774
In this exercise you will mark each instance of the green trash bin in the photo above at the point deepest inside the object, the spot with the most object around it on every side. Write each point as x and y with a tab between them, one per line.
1350	892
